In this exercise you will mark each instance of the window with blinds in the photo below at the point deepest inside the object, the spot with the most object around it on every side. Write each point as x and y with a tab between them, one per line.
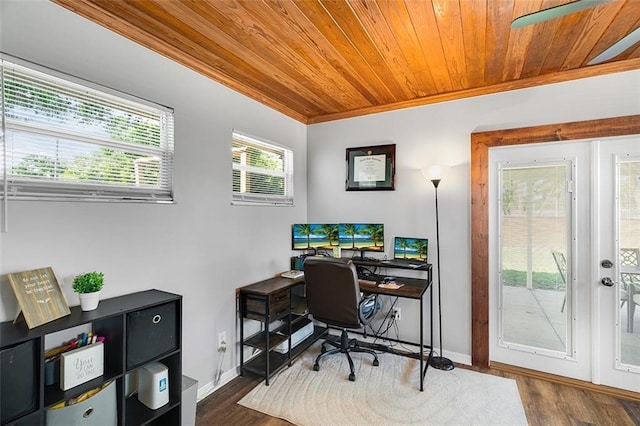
262	171
67	140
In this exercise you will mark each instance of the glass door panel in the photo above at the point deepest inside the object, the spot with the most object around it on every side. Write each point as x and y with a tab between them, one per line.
535	242
628	208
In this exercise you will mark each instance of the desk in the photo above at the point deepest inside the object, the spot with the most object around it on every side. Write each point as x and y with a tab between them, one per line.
413	288
272	299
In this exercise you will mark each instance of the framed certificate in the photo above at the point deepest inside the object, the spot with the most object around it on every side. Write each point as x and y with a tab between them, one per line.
371	168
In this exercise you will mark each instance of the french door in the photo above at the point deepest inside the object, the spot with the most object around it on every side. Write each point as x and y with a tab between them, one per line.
562	296
617	266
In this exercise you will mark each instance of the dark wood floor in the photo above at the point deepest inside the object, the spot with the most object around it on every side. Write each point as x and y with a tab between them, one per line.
545	403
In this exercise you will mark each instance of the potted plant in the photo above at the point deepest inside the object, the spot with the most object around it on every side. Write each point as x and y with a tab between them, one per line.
88	286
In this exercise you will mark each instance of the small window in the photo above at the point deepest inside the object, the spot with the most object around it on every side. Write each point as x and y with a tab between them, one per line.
262	171
66	139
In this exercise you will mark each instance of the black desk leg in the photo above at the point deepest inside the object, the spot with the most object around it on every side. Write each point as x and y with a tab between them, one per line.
421	346
242	314
266	341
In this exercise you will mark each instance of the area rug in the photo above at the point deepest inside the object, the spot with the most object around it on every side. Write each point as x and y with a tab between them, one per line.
385	395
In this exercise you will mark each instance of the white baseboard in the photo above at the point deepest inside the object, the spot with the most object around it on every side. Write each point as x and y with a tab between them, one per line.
458	357
227	376
453	356
210	387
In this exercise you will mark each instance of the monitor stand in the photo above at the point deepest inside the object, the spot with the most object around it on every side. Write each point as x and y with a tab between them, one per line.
365	258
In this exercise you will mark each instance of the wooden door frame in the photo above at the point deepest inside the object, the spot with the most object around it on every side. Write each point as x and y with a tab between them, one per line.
480	144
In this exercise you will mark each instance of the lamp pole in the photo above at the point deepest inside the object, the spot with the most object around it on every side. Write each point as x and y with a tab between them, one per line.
439	362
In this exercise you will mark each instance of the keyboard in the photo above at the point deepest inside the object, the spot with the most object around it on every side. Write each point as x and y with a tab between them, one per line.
406	263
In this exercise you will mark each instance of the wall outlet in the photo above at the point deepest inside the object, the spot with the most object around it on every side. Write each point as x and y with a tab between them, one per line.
222	339
396	314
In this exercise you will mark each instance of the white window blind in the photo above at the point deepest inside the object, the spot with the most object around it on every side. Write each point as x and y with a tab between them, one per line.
66	140
262	171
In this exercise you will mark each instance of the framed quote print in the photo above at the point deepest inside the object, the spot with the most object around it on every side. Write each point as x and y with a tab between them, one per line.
371	168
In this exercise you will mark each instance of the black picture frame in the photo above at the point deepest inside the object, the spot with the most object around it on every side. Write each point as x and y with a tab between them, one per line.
371	168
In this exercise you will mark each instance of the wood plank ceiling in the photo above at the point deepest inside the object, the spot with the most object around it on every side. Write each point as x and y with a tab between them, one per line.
321	60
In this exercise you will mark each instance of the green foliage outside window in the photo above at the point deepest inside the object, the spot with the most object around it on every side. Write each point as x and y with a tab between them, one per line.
30	103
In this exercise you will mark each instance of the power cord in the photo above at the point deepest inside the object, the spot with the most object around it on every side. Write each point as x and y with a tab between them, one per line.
222	350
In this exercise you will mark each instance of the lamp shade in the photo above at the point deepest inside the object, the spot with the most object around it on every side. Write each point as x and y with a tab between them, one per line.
436	172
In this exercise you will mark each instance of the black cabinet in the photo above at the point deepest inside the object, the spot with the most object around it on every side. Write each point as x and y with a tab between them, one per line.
138	328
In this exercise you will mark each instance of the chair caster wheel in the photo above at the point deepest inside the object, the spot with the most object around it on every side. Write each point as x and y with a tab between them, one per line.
375	363
352	377
316	367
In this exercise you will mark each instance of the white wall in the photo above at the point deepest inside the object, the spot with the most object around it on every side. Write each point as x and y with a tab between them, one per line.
200	247
440	134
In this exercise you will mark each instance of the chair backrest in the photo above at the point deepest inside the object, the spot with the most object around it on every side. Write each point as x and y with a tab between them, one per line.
332	291
561	263
630	256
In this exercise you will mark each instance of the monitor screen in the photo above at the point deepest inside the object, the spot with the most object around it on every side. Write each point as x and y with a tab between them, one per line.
309	236
362	236
410	248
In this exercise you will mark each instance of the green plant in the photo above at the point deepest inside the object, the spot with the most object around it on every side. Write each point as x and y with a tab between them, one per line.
89	282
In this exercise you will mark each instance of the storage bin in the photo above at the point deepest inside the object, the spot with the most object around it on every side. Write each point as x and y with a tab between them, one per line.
19	385
151	332
98	410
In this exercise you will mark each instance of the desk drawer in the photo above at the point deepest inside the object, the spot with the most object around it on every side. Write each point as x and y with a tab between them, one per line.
256	306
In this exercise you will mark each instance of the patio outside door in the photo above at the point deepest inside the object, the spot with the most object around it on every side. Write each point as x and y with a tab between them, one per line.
550	229
617	226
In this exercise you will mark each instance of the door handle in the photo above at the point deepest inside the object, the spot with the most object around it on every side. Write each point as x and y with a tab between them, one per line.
606	264
607	282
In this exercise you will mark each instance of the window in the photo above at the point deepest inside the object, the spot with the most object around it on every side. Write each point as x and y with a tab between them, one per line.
65	139
262	171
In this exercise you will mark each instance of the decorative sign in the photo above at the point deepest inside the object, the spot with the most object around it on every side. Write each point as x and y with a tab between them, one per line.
81	365
39	296
371	168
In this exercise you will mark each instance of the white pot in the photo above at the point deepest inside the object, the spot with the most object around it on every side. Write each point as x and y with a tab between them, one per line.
89	301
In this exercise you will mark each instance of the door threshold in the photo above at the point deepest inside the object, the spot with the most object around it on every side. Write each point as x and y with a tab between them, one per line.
581	384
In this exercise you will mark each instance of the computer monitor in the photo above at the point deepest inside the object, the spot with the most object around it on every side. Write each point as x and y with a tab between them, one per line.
410	248
313	236
362	237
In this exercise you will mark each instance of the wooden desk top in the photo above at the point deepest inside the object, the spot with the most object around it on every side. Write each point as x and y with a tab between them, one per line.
413	288
271	285
381	264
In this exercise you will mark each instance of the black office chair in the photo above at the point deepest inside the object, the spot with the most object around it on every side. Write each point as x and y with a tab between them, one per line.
333	297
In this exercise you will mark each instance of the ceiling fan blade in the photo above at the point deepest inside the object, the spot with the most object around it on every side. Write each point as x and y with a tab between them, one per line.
555	12
618	47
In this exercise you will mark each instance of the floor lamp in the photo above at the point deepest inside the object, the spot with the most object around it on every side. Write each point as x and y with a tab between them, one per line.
435	175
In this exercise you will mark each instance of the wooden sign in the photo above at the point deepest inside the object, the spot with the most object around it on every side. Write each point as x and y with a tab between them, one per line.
39	296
